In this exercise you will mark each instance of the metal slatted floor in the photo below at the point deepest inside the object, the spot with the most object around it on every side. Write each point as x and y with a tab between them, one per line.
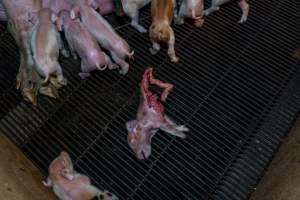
236	88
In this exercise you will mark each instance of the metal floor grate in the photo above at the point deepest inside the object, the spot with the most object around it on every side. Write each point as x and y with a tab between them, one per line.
236	88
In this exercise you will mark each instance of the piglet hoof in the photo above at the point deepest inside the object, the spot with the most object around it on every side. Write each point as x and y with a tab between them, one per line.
243	20
199	22
206	12
141	29
49	91
174	59
179	21
182	128
152	51
124	70
113	66
65	53
84	75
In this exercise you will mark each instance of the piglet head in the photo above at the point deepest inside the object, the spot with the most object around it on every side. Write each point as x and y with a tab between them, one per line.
33	17
62	166
62	18
139	139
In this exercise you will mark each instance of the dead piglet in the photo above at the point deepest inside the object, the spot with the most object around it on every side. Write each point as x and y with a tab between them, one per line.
151	117
69	185
215	6
191	9
82	43
45	45
105	35
160	29
131	9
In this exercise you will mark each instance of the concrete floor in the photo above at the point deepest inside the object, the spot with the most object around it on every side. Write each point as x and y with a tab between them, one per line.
282	179
20	180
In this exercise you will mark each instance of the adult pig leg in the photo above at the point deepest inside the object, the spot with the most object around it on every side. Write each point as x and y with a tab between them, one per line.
171	49
245	9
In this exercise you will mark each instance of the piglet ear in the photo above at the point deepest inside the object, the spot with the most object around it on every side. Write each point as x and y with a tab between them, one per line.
53	17
33	17
131	125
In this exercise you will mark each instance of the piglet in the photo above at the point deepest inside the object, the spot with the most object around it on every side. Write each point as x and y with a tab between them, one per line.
69	185
3	16
104	34
160	30
105	6
45	45
151	117
191	9
57	5
81	42
215	5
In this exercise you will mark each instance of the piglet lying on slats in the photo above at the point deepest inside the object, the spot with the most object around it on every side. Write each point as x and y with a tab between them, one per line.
45	46
160	29
82	43
151	117
69	185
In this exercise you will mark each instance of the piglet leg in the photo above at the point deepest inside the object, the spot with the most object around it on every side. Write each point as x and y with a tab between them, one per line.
176	130
84	70
167	86
124	65
245	9
60	194
135	21
60	80
171	49
47	183
62	47
215	6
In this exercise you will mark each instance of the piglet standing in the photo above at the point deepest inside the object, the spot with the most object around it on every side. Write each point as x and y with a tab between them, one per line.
104	34
68	185
160	29
191	9
151	117
45	46
215	5
82	43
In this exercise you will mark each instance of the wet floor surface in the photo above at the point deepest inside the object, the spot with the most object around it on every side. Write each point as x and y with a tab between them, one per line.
282	178
19	179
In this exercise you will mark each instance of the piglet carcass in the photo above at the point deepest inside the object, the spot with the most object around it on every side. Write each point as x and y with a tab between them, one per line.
151	117
45	46
69	185
215	5
160	30
191	9
82	43
104	34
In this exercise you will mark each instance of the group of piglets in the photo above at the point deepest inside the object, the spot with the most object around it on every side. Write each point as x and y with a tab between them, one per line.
163	11
67	184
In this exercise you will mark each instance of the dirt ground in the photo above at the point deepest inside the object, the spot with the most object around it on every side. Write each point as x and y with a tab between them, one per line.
282	179
19	179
